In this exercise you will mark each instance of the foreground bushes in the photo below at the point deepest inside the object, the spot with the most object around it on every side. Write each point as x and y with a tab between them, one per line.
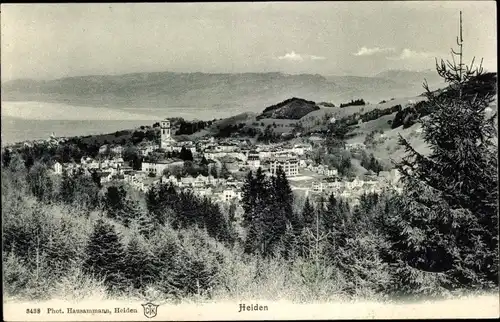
54	252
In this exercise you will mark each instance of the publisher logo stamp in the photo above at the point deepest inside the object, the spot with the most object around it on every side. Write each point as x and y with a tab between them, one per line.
150	310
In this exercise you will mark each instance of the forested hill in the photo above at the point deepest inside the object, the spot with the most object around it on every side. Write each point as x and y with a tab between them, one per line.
293	108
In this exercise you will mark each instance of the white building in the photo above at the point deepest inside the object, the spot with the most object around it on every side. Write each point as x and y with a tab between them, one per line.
158	167
58	168
331	172
354	146
230	194
265	154
187	181
253	161
356	183
289	166
317	187
147	149
200	181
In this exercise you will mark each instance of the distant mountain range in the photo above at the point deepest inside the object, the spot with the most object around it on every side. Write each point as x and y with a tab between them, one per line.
234	93
410	77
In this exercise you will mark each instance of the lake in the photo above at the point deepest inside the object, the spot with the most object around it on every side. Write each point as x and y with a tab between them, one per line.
30	120
17	129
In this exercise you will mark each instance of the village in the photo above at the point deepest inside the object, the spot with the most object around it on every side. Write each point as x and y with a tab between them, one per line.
228	161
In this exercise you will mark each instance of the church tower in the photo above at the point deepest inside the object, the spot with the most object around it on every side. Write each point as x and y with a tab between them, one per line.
166	135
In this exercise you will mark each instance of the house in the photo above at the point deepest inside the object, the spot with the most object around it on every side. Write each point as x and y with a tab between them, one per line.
211	180
159	166
125	169
253	161
103	148
331	172
187	181
355	146
105	176
229	194
204	191
289	165
356	183
58	168
72	168
86	160
200	181
226	148
93	165
172	179
146	150
317	187
300	149
335	185
320	169
316	139
118	161
265	154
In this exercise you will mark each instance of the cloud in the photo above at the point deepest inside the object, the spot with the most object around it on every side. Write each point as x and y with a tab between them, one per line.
317	57
291	57
411	54
294	57
364	51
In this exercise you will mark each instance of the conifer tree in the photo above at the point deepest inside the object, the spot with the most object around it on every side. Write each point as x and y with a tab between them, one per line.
96	178
374	165
307	219
308	214
115	201
283	195
85	192
249	197
160	201
290	243
274	208
152	202
146	224
256	203
186	154
67	188
39	182
140	265
6	157
335	221
448	217
105	254
218	225
213	171
204	161
224	171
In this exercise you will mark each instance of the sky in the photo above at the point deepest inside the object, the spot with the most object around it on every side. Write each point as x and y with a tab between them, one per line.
48	41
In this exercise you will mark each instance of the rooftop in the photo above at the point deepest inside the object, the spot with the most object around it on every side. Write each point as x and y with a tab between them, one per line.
284	159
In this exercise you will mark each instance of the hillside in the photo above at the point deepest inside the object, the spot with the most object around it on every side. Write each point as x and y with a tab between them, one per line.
293	108
201	95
